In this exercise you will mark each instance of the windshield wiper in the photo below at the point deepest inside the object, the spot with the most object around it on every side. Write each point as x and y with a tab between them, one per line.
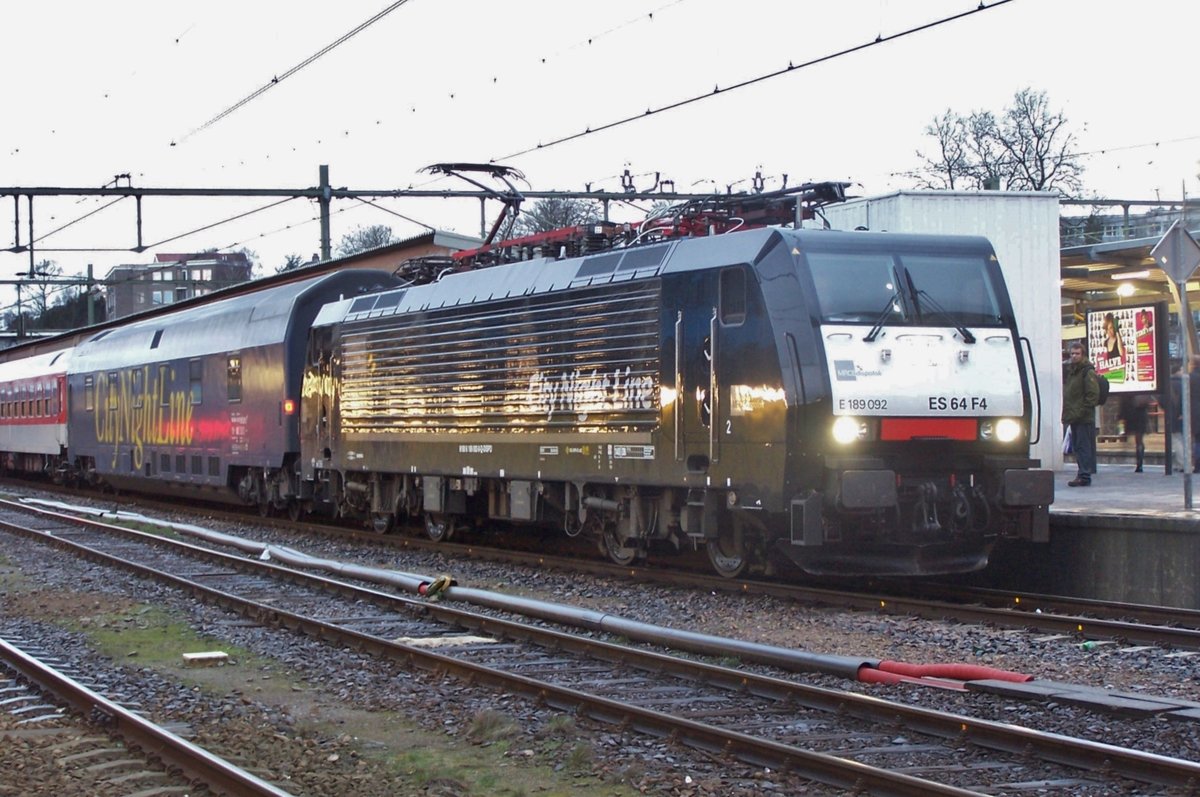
966	333
877	327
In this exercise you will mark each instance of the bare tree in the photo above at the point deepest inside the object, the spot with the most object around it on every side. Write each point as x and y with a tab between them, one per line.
1039	145
360	239
291	263
951	167
40	290
1029	147
553	213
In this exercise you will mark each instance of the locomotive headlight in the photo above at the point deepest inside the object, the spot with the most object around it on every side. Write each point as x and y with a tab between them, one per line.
1004	430
847	430
1007	430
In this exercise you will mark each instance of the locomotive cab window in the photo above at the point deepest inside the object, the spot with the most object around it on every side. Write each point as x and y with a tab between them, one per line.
906	289
233	378
733	296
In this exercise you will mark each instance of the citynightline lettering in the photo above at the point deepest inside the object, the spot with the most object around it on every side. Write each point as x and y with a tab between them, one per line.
152	416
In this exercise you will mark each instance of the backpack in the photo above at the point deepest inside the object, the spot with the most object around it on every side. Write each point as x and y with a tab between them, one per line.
1102	394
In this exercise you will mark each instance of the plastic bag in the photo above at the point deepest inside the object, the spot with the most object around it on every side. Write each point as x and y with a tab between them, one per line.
1067	449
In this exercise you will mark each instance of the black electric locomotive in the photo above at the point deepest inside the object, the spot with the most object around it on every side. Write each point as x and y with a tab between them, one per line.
851	402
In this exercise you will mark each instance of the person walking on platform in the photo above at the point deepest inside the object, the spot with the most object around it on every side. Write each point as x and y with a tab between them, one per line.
1134	412
1081	394
1176	415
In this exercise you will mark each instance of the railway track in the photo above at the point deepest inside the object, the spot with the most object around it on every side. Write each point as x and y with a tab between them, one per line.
1052	614
1086	619
105	744
839	738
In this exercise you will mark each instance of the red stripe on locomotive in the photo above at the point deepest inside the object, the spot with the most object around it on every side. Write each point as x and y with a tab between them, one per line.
928	429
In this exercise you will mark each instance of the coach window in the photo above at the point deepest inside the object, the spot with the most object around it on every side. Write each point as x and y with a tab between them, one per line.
196	380
89	393
233	375
733	296
139	393
111	393
164	385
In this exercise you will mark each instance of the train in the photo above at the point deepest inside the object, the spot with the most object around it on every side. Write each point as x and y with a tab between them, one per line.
843	403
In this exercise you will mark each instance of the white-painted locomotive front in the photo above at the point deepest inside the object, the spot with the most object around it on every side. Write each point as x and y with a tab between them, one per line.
922	372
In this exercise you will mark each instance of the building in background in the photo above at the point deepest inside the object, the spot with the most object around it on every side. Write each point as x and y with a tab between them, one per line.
1110	225
171	278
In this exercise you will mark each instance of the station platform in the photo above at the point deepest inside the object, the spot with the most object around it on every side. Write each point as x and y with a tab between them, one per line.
1116	491
1128	537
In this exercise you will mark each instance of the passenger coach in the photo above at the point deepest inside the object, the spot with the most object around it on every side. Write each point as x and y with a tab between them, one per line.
203	400
33	413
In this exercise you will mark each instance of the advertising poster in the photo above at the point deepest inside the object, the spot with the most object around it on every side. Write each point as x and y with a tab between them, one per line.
1123	344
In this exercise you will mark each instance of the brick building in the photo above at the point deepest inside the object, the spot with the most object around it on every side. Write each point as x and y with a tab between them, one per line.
171	278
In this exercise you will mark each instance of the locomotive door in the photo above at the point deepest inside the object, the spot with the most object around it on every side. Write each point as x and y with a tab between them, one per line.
697	371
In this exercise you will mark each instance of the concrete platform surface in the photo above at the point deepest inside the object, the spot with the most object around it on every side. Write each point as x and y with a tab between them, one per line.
1117	491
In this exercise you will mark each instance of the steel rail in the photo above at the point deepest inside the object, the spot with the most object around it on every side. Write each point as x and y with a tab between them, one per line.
821	767
1169	626
1138	765
1019	601
195	762
1152	631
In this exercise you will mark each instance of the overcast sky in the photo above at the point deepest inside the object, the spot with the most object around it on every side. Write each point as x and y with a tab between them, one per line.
94	90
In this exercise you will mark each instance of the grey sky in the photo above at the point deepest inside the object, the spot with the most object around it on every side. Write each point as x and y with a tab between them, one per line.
101	89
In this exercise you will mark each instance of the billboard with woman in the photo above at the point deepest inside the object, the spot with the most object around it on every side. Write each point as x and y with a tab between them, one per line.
1124	344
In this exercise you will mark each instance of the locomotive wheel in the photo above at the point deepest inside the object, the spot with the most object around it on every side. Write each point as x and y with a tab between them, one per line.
294	511
618	553
439	527
381	522
265	508
727	552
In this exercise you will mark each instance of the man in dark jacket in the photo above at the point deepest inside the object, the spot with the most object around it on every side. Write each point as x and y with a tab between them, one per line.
1081	393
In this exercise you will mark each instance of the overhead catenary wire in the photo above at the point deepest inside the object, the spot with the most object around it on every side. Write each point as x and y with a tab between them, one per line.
268	206
394	213
228	247
277	79
496	79
717	90
73	222
912	173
